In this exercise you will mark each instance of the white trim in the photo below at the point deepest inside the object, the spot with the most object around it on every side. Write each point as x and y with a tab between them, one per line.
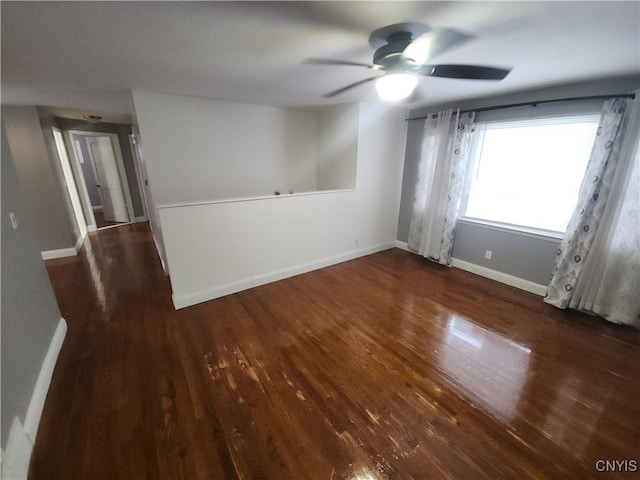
403	246
140	219
96	209
139	181
79	179
182	301
115	225
34	412
549	236
16	459
501	277
251	199
69	180
79	243
59	253
164	265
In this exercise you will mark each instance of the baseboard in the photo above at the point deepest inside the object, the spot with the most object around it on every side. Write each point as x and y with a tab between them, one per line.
91	228
162	262
402	246
96	209
501	277
34	412
60	253
140	219
79	243
16	458
187	300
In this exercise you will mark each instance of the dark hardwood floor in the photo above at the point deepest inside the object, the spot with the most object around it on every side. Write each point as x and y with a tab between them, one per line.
101	222
385	367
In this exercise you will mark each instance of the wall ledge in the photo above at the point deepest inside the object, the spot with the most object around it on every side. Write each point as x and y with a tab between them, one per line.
252	199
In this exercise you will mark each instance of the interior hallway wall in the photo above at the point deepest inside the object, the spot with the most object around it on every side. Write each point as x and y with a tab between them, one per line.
29	310
40	177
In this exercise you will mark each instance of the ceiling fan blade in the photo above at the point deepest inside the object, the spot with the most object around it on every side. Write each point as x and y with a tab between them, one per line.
349	87
329	61
466	72
433	43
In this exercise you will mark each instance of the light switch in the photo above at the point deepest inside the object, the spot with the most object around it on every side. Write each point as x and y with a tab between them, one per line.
14	222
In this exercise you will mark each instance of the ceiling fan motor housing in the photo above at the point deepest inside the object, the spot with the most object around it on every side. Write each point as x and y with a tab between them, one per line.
388	55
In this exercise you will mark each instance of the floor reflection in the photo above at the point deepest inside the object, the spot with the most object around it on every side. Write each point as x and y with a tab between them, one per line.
96	276
574	395
485	365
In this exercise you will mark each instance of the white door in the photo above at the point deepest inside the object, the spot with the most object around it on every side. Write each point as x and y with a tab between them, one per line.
109	185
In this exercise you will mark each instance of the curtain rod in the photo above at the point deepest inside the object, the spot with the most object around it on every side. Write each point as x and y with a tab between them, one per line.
632	96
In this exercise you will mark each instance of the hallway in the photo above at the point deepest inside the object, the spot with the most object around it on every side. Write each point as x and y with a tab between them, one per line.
382	367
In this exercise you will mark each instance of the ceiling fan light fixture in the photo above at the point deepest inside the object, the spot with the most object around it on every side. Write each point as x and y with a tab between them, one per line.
396	86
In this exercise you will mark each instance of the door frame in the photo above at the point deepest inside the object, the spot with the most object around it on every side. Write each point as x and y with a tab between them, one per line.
122	173
138	169
101	154
72	187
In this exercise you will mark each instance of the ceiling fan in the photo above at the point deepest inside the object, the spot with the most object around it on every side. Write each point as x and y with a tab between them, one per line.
402	53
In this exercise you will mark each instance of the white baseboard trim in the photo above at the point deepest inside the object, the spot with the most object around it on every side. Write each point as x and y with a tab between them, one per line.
140	219
15	461
79	243
16	458
34	412
403	246
501	277
96	209
189	299
60	253
162	262
91	228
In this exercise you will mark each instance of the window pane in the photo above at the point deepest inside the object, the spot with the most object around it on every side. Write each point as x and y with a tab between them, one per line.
530	175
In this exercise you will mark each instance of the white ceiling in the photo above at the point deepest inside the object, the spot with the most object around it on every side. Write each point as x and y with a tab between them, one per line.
89	55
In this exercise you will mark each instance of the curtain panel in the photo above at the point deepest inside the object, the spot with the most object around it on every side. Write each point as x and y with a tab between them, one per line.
444	159
597	267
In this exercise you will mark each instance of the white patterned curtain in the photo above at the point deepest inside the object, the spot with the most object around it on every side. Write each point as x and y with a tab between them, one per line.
445	149
598	264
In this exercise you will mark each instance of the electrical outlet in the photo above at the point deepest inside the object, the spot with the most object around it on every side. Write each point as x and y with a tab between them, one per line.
14	221
488	254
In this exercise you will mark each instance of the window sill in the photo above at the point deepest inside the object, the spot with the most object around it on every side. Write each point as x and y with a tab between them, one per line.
550	236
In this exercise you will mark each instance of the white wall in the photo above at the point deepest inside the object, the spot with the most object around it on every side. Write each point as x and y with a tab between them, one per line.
219	248
199	149
337	147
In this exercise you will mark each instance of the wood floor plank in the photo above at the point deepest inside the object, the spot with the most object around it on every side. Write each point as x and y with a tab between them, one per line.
384	367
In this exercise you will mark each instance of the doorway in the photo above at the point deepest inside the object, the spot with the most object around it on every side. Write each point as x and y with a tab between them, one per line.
102	178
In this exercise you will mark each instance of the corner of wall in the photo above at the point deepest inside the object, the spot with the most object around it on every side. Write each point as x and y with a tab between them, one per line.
16	458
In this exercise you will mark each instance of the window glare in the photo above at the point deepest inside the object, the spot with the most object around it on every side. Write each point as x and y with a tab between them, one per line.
530	175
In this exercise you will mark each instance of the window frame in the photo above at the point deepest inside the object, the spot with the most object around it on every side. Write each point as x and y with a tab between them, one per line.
480	128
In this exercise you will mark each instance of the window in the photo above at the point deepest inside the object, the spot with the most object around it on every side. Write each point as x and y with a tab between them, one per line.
527	174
